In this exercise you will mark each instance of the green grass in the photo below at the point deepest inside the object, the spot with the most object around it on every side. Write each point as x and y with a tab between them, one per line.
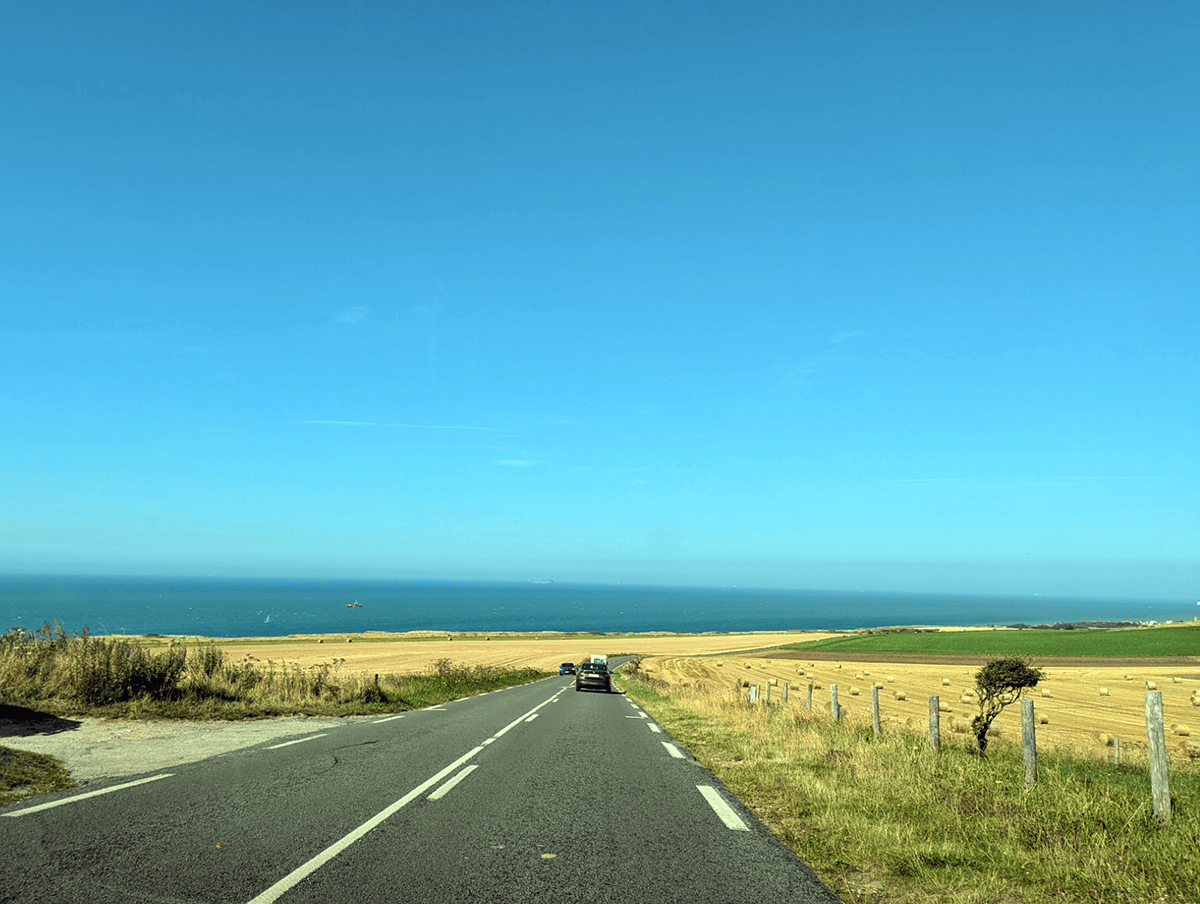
888	820
1169	641
23	774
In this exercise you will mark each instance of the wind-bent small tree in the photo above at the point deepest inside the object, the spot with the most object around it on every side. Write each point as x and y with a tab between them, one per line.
1000	682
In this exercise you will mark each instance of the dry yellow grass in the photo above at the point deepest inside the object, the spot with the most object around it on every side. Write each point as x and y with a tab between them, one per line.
1078	717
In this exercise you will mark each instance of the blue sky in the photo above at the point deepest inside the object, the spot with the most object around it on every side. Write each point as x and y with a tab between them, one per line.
854	295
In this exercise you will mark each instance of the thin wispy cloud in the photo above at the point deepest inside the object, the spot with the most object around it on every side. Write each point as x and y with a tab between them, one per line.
404	426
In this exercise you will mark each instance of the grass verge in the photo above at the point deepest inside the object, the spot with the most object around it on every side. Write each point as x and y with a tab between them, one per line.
888	820
23	774
69	675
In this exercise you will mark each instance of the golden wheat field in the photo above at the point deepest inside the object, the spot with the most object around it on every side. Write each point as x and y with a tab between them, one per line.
1081	707
417	651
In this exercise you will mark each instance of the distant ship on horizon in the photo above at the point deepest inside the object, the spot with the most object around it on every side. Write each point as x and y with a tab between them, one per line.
354	605
542	581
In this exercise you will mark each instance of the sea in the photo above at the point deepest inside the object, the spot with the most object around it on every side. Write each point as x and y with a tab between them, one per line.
247	607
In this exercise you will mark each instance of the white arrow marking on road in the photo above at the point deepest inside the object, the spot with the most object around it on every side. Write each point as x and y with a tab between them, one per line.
723	810
297	741
442	791
71	800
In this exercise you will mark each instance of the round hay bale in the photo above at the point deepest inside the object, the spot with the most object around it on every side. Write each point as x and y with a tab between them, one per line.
320	640
1151	686
349	640
891	678
900	695
945	682
1043	719
1128	677
1177	680
774	682
1190	749
1103	692
966	698
1182	730
854	692
960	726
1105	739
944	707
1045	692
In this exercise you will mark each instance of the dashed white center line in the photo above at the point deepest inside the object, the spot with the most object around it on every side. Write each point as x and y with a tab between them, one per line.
722	809
442	791
297	741
654	728
673	750
71	800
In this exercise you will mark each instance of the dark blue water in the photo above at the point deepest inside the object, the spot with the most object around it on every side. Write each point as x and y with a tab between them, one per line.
242	607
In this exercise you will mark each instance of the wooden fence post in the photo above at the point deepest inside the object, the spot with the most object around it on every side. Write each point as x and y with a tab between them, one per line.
753	693
834	709
935	724
1029	741
875	711
785	692
1116	751
1159	779
808	703
767	691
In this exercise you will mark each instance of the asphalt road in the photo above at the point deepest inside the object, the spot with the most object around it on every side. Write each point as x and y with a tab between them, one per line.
536	793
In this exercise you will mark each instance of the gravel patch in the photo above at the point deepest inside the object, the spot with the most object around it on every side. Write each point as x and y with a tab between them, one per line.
104	748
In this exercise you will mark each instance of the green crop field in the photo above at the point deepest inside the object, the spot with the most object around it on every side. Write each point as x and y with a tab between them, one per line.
1168	641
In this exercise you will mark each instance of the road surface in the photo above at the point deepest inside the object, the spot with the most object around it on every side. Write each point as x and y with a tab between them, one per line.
530	794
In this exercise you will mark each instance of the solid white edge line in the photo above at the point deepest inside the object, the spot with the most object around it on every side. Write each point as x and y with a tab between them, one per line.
306	869
388	719
673	750
446	788
722	809
297	741
71	800
534	716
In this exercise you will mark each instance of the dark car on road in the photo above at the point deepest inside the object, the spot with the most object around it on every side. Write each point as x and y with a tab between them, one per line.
593	675
567	668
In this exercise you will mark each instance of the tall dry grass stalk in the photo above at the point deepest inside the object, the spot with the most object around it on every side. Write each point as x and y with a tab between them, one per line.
81	674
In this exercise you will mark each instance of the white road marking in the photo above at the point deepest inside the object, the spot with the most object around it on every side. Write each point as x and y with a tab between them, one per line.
442	791
511	725
654	728
673	750
273	893
71	800
388	719
722	809
297	741
534	716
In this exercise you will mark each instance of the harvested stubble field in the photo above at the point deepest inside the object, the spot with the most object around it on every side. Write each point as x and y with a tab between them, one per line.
1078	716
418	651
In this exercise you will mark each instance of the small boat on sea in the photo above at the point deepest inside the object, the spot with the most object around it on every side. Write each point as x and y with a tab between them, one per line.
354	605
